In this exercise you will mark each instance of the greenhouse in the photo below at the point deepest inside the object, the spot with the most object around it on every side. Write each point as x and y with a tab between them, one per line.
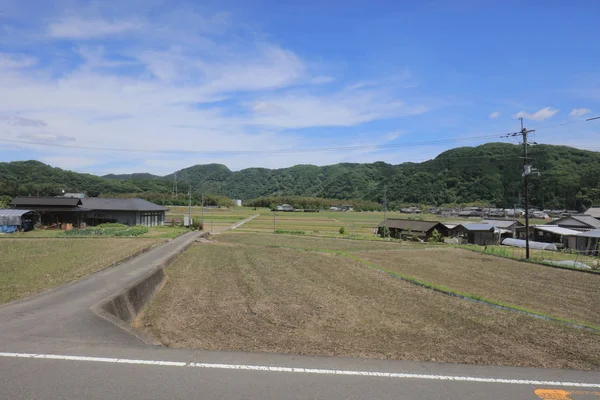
532	245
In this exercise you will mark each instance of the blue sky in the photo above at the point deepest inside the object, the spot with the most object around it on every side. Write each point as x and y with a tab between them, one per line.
281	75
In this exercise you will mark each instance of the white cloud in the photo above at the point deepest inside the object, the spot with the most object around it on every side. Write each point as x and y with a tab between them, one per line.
539	115
579	112
169	85
494	115
79	28
394	135
16	61
322	79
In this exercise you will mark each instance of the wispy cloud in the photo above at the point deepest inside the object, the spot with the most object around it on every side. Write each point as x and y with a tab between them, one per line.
9	61
579	112
539	115
16	120
79	28
494	115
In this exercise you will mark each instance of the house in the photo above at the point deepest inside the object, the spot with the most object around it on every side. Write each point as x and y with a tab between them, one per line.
347	207
481	234
508	224
12	220
237	202
587	242
410	210
76	195
471	212
577	222
400	228
132	211
563	237
55	211
334	208
284	207
593	211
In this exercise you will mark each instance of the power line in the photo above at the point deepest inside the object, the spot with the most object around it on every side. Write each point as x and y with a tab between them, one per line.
274	151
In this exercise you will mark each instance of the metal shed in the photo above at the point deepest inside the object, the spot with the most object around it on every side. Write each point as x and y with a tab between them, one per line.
12	220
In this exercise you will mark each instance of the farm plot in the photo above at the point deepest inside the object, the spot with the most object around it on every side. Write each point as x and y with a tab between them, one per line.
306	242
213	217
29	266
567	294
225	296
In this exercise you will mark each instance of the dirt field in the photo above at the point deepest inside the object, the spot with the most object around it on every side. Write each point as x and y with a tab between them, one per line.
225	296
28	266
307	242
568	294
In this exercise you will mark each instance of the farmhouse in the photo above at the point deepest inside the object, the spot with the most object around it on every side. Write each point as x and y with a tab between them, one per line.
508	224
55	211
125	211
284	207
593	211
555	234
481	234
577	222
407	227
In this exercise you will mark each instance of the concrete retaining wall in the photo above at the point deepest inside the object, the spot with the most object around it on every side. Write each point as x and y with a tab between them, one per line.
123	308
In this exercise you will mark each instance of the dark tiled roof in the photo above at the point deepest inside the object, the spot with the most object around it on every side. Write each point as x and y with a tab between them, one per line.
135	204
25	201
413	225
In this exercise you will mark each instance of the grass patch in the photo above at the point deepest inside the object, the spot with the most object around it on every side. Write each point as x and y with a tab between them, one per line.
29	266
241	298
527	287
110	229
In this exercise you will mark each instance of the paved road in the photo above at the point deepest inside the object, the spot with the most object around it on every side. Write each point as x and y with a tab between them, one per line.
53	347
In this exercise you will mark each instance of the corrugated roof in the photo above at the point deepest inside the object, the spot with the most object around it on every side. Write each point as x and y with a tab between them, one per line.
27	201
478	227
595	233
585	219
11	216
506	223
135	204
594	211
556	230
413	225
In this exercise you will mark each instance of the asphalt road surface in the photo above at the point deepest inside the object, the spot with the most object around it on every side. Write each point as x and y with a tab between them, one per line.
52	346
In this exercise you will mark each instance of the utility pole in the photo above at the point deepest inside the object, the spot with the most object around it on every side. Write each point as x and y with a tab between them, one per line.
174	193
202	211
274	224
190	206
212	218
385	229
526	172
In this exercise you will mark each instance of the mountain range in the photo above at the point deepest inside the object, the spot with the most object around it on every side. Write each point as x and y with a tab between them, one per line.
490	173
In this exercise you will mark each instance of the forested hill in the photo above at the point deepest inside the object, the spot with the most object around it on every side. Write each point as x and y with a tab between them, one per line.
570	178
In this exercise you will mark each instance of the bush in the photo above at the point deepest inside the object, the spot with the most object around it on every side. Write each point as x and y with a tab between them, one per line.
342	230
436	237
112	225
197	225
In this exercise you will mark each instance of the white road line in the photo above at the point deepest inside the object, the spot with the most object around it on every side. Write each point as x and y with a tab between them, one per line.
267	368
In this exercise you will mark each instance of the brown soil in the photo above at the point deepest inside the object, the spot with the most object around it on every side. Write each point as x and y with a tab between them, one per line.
277	300
567	294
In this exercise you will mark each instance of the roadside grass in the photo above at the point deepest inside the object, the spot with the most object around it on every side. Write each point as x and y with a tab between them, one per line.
246	298
29	266
566	295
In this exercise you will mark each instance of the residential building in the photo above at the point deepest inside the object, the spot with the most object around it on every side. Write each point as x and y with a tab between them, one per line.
593	211
400	228
284	207
508	224
560	236
55	211
347	207
577	222
481	234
